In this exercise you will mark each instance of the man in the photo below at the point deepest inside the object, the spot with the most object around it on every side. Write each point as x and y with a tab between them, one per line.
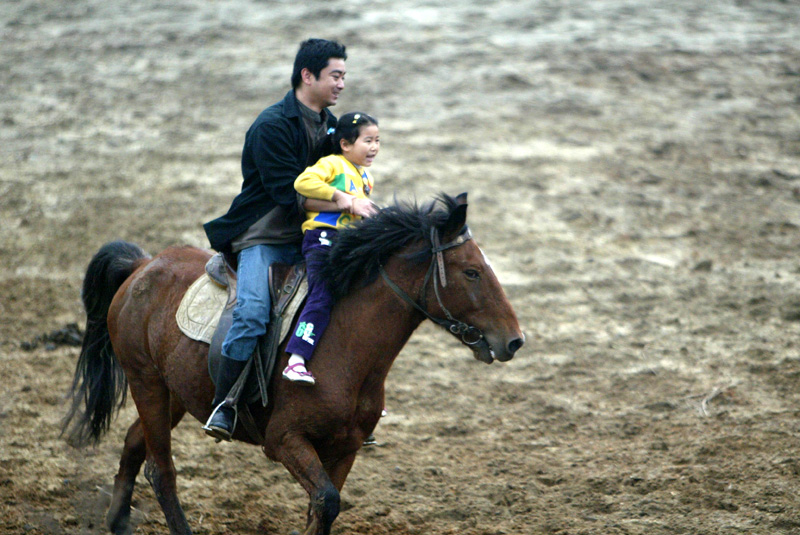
262	225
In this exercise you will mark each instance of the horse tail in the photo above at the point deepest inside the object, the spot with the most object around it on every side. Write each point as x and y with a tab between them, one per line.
99	381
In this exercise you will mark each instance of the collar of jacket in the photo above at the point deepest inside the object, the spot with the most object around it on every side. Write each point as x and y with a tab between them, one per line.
290	107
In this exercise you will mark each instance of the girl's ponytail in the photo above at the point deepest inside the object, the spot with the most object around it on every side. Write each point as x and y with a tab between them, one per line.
325	147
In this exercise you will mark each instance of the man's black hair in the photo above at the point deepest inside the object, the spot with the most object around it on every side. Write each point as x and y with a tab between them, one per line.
314	55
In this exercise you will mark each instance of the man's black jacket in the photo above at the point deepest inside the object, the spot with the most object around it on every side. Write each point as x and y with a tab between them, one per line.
275	153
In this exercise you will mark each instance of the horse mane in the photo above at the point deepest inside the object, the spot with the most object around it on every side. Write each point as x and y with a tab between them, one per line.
359	250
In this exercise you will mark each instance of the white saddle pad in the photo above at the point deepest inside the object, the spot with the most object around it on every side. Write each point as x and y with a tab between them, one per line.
202	305
200	309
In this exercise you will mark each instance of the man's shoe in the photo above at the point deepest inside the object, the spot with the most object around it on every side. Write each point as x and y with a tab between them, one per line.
221	423
297	373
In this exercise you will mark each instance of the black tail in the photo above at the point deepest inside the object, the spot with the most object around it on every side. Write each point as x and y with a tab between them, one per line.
99	382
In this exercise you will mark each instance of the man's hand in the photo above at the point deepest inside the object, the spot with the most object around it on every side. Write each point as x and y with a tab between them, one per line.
344	202
363	207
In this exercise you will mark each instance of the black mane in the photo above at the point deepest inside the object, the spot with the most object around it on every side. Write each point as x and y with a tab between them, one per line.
353	260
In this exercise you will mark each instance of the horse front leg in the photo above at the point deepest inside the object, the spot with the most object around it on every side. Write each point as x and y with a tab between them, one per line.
339	469
133	455
337	472
302	461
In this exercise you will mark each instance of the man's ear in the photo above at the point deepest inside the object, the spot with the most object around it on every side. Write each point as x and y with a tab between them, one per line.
307	76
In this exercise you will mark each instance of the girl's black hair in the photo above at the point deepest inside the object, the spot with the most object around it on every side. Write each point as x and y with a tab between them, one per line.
348	128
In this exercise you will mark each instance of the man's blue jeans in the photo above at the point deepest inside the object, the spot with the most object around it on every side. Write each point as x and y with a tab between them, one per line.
251	315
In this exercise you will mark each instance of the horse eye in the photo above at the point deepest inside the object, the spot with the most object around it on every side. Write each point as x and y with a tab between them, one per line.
472	274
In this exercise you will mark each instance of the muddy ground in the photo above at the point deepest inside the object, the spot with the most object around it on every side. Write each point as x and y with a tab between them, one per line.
634	176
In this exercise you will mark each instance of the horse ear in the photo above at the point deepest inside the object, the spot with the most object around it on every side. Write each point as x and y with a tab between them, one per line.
461	198
456	220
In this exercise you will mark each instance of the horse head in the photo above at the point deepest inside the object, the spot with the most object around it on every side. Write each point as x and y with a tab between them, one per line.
459	291
467	292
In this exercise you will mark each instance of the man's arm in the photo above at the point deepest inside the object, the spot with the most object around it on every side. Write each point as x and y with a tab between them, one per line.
354	205
277	160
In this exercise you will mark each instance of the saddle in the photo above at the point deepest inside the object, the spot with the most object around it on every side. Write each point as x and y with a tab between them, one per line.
215	290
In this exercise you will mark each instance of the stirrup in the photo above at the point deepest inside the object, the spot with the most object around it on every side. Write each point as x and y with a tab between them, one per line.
219	433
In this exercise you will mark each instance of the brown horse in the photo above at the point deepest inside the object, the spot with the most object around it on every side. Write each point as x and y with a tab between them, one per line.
391	272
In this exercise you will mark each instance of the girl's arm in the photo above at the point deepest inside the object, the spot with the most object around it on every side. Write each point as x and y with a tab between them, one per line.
321	196
315	181
315	184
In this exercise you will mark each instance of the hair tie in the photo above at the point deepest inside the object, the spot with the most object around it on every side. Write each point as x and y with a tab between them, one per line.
331	130
356	117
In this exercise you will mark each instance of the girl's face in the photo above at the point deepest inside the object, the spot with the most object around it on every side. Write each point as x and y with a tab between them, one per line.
364	149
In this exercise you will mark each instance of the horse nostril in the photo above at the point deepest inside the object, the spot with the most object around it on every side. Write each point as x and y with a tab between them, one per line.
515	344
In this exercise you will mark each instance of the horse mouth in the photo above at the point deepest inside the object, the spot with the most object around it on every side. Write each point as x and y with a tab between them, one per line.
483	351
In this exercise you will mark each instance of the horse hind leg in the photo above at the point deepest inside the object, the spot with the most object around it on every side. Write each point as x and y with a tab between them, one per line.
133	455
158	415
163	483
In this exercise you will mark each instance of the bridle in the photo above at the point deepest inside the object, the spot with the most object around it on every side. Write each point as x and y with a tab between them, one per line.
469	335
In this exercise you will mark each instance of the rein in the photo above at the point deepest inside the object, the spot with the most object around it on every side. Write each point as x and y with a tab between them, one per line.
469	335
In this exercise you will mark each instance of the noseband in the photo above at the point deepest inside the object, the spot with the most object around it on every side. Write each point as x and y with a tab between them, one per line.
469	335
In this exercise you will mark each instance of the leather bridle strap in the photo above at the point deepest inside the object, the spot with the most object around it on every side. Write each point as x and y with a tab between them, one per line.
469	335
437	249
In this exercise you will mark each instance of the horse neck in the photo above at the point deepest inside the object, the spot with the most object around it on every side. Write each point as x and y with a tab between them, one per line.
381	322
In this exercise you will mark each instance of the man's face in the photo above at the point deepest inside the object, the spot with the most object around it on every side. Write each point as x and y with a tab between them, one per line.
324	91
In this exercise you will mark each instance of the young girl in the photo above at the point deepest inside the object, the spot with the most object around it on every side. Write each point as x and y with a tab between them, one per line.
337	188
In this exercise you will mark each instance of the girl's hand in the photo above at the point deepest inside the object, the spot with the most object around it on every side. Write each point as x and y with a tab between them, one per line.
364	207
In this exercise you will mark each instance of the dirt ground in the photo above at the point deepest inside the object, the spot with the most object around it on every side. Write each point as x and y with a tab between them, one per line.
634	176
